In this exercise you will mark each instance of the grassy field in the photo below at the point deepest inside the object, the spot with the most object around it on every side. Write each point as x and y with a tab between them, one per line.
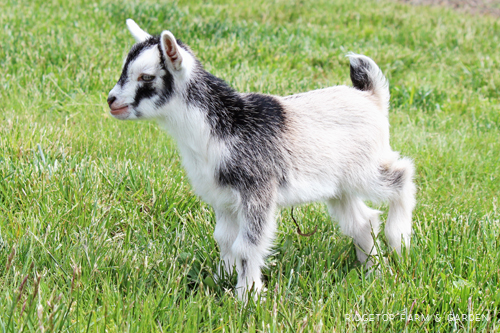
99	227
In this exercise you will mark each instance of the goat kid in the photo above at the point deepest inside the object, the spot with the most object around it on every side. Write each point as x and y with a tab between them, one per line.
248	154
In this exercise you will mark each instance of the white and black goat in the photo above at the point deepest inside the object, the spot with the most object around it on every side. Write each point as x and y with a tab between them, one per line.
249	154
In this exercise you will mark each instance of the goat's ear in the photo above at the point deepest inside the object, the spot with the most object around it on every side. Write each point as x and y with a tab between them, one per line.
170	49
139	34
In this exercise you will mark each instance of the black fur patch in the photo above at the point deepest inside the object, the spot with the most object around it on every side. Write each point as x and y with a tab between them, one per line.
393	178
255	124
231	113
359	76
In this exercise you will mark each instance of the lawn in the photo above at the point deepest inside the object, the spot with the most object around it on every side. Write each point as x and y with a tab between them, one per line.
100	229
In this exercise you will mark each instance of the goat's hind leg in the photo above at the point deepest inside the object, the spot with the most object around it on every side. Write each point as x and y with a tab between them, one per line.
397	181
359	221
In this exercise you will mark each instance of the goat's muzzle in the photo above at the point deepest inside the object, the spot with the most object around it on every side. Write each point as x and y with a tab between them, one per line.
116	110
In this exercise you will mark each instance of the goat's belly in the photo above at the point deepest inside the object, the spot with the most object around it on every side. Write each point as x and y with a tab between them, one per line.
302	190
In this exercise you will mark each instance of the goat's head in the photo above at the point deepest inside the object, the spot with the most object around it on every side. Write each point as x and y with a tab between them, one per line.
154	73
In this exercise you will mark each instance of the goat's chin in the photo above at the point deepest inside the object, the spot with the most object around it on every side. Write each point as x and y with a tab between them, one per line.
122	113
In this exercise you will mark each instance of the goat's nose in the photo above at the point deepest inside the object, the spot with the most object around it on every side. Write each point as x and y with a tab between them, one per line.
111	99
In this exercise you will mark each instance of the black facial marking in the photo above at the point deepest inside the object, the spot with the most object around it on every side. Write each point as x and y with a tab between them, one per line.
168	84
359	75
134	53
143	91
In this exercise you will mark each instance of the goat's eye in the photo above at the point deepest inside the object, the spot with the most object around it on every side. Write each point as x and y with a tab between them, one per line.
146	78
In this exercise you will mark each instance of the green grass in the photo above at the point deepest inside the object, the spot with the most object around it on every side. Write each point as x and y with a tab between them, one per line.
99	227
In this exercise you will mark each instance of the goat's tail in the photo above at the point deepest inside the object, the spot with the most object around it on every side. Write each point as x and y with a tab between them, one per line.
367	76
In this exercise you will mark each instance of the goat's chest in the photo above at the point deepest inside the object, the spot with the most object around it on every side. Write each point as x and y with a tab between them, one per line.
201	155
201	165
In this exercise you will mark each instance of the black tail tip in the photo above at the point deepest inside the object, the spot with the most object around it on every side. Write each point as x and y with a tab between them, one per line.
360	69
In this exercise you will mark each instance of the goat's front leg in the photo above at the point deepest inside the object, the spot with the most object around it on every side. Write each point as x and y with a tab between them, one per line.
256	233
226	231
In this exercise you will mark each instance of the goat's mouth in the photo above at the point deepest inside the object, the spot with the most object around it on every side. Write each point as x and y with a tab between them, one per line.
119	111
